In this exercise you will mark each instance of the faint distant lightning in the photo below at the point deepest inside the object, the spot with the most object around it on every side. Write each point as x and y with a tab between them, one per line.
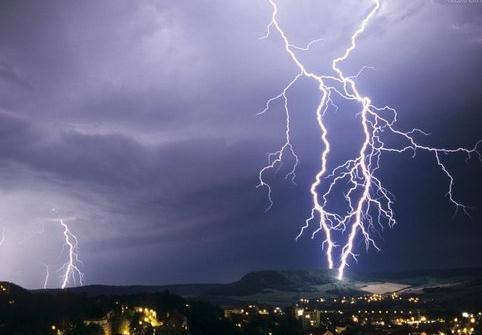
367	200
70	270
47	275
2	237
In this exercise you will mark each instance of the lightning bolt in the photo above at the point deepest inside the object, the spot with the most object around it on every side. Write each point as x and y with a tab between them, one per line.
368	202
323	218
2	237
70	270
47	275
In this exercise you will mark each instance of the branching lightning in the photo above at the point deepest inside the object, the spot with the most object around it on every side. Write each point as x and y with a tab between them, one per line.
70	270
368	202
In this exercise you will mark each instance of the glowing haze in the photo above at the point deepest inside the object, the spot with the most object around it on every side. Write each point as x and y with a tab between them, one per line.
138	118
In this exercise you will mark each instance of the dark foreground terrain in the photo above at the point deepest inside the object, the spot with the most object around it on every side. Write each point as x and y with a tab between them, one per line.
266	302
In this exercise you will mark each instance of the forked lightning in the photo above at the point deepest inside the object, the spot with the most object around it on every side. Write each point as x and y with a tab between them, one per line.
367	201
71	273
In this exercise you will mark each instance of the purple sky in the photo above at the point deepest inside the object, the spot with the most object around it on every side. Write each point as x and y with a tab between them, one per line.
138	119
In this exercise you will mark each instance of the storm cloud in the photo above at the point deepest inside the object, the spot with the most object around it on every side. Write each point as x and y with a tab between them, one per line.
139	120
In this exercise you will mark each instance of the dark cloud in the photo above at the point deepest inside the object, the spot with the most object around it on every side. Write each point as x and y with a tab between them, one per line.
138	119
10	76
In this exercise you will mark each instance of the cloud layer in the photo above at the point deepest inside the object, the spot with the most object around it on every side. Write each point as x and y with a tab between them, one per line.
138	119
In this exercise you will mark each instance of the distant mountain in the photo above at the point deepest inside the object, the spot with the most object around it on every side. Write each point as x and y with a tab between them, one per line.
255	282
186	290
423	273
283	287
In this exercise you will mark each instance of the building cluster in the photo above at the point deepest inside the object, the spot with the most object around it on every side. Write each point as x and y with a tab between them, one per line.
242	316
394	314
135	321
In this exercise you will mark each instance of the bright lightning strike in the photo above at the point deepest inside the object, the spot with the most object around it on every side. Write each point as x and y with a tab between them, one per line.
70	270
369	203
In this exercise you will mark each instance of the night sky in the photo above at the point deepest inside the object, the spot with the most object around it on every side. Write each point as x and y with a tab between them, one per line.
138	120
